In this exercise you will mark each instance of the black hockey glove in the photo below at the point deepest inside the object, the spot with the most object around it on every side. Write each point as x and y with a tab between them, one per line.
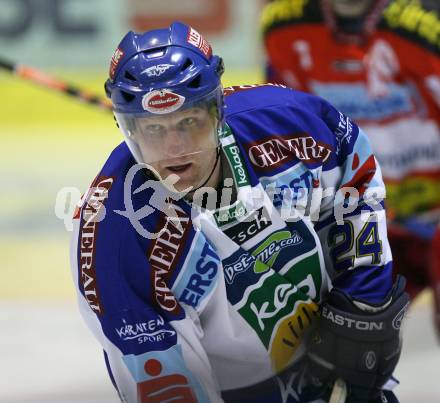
357	342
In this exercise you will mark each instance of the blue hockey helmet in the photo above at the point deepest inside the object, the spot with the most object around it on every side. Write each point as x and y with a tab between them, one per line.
157	74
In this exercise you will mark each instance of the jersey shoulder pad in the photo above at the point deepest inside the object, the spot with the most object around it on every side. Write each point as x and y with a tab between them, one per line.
106	187
265	112
248	99
114	272
111	178
416	21
289	12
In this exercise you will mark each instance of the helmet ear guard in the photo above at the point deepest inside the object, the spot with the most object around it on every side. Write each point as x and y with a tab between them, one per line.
220	67
107	89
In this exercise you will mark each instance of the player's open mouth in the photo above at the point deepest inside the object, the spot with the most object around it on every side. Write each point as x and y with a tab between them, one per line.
179	168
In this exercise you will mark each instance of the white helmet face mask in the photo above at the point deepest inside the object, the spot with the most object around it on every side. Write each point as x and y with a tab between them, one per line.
174	138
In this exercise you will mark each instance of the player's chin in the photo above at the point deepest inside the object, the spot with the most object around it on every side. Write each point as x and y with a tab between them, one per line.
183	185
191	184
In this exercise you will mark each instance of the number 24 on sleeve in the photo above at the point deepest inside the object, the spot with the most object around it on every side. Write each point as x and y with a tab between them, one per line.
341	239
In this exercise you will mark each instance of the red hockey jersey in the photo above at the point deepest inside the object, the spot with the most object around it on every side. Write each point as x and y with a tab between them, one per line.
389	83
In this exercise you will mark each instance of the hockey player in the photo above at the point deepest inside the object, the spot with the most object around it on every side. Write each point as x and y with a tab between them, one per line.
204	264
378	62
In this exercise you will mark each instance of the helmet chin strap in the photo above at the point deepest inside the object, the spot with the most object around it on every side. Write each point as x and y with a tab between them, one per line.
217	158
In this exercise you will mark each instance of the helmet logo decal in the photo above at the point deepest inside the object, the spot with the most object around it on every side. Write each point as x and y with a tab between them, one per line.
116	58
197	40
156	71
162	101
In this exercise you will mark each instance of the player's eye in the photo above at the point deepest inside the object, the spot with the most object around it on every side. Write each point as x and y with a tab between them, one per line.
189	122
154	129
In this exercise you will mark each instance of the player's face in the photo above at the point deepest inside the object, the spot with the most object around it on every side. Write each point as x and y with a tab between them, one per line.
351	8
181	143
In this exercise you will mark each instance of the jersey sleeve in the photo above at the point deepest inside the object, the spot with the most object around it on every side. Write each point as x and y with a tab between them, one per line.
352	223
152	353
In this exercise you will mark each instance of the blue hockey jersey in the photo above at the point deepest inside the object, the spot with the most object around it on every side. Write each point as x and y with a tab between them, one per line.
205	305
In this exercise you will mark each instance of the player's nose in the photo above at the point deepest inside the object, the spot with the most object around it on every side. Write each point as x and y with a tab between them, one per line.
175	143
